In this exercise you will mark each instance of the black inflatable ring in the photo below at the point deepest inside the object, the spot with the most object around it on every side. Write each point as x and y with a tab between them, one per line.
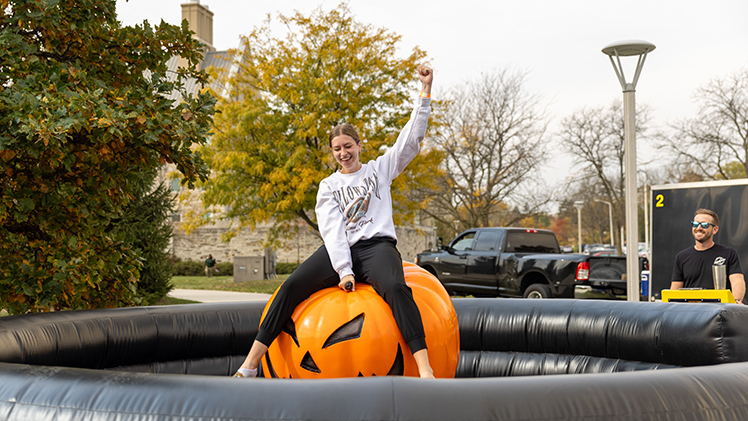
102	365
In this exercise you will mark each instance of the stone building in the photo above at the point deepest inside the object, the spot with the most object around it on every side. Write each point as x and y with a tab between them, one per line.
207	239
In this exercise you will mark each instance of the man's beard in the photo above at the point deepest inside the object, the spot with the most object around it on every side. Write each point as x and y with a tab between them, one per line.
707	236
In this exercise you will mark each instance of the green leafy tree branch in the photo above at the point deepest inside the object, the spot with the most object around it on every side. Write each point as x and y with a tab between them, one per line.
85	109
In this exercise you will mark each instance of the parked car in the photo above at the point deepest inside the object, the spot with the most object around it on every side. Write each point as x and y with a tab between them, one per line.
642	249
521	262
607	252
587	248
590	249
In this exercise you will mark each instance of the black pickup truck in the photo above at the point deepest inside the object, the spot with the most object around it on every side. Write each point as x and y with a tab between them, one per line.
521	262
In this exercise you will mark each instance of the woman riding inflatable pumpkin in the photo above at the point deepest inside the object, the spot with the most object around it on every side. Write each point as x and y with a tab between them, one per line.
353	250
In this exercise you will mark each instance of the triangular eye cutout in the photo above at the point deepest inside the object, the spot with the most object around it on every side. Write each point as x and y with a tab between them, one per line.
290	329
350	330
308	364
398	366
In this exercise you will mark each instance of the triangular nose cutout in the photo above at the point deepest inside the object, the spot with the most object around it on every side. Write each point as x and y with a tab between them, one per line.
308	364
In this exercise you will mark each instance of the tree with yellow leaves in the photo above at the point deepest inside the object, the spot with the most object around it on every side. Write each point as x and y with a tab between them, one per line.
270	144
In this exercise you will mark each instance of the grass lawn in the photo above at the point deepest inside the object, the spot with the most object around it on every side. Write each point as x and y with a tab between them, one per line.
167	301
218	283
226	283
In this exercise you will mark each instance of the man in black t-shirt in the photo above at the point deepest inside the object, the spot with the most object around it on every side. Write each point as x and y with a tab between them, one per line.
693	266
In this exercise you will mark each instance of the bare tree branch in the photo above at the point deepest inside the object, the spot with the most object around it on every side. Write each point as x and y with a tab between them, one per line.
493	134
715	142
595	137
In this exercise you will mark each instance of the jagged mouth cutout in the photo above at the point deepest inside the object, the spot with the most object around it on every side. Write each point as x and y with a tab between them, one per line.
348	331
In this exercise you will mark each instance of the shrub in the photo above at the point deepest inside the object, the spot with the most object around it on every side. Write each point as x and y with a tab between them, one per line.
188	268
285	268
195	268
225	269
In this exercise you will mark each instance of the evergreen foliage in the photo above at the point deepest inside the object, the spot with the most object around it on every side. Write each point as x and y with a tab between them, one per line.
145	227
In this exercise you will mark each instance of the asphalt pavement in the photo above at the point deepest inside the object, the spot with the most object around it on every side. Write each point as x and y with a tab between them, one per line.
206	296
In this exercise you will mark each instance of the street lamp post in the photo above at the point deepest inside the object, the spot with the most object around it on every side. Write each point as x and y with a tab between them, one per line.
618	50
610	217
579	205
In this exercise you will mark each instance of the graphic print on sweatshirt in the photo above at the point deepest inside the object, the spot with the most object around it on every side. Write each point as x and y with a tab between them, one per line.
358	209
354	202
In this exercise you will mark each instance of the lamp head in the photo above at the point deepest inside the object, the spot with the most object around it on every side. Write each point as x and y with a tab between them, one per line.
628	48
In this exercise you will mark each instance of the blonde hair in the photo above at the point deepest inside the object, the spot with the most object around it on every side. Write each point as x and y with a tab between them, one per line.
711	213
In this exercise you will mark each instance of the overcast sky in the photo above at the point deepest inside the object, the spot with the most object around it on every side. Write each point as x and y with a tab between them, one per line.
558	42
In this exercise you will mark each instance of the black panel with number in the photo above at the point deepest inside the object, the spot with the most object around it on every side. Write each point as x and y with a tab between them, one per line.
673	206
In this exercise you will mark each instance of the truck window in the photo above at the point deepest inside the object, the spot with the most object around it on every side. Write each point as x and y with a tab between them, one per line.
531	242
464	243
486	241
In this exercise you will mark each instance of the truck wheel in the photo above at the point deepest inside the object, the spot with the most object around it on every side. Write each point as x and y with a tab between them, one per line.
538	291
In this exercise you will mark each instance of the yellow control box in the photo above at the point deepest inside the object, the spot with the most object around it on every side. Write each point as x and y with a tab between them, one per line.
697	296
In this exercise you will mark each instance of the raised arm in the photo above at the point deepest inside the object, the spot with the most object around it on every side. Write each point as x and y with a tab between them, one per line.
426	76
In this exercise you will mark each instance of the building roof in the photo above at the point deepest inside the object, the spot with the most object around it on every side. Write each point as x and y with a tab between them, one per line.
218	59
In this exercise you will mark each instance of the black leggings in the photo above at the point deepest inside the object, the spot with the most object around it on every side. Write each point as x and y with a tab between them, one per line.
375	261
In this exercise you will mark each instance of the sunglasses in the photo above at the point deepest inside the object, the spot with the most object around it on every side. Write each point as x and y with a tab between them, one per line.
704	225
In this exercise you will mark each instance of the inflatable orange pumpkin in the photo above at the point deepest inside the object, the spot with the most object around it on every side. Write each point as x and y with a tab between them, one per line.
347	334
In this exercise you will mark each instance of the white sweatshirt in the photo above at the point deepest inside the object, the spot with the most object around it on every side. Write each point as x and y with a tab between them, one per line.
358	206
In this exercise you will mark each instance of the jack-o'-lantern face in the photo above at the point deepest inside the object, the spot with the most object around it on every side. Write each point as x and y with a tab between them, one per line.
348	332
338	334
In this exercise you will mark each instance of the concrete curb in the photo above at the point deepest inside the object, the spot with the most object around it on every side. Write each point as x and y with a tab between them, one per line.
208	296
